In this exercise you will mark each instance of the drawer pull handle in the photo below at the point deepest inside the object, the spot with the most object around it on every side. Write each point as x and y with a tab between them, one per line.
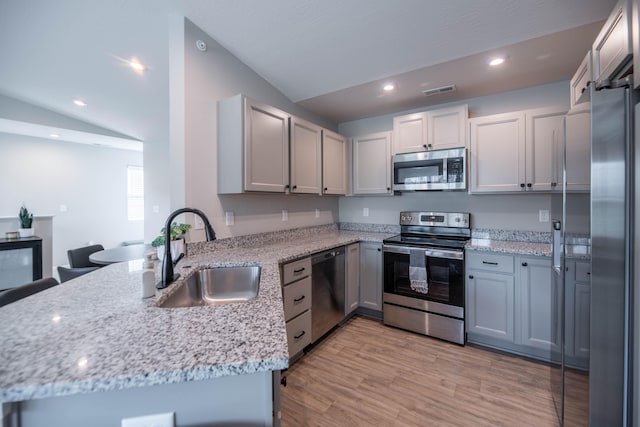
299	270
300	298
300	335
471	276
524	264
489	263
588	273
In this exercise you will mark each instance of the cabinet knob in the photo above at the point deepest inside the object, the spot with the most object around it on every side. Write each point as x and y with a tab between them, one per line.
295	186
325	188
379	250
554	184
529	184
425	146
429	145
283	381
286	186
524	264
388	188
471	276
522	185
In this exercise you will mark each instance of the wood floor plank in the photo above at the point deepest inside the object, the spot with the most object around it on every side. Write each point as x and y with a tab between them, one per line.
368	374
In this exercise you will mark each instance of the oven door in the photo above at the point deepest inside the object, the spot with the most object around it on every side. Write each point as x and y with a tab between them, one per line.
444	270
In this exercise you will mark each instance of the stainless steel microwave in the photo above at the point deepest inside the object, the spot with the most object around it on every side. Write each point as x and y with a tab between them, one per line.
430	170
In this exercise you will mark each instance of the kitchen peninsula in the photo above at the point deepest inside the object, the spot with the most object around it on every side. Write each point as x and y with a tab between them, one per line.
91	351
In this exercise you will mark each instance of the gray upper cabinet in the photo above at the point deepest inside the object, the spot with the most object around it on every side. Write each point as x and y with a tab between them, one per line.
334	163
306	152
613	46
372	164
430	130
253	147
579	84
515	152
578	149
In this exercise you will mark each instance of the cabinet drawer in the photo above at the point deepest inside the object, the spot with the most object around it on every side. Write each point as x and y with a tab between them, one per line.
490	262
297	298
296	270
299	333
583	272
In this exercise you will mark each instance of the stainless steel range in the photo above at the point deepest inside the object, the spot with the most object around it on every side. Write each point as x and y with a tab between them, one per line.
424	274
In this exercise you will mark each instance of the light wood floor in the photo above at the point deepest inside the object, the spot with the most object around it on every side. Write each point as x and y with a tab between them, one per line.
368	374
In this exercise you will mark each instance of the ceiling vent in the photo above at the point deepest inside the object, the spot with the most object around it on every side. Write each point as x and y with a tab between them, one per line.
439	90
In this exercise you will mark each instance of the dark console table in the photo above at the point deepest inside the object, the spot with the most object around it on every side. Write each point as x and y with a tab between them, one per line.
16	256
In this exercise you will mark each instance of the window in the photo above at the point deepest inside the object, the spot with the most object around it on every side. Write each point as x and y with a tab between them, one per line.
135	193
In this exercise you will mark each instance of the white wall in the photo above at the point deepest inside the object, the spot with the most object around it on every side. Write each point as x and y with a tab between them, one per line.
208	77
509	212
90	181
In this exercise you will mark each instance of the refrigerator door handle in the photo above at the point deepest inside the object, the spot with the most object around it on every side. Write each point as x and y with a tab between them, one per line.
556	246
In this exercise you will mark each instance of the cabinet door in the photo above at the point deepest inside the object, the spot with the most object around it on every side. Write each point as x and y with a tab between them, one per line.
266	148
353	277
579	84
372	164
539	304
371	276
613	46
410	133
334	163
447	128
498	153
306	143
578	149
544	137
490	305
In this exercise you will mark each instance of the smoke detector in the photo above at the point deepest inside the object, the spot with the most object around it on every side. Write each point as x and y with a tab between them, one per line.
439	90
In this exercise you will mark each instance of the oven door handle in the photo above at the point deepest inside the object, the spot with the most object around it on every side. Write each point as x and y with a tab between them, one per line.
443	253
434	253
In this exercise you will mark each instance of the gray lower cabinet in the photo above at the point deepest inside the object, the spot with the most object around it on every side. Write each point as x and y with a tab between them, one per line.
353	278
512	303
296	295
371	275
490	305
577	314
539	305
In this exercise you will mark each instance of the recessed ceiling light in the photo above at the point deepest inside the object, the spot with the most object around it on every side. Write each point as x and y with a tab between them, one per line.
496	61
137	66
388	87
79	102
54	135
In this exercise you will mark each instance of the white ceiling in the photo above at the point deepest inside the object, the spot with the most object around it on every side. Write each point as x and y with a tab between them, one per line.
329	55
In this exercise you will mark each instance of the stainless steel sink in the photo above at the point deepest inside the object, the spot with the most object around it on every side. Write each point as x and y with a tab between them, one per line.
218	285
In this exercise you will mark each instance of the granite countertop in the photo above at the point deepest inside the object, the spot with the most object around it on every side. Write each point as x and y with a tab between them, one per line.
95	333
574	251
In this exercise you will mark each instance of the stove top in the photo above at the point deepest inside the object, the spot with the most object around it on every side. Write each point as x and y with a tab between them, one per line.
435	229
420	241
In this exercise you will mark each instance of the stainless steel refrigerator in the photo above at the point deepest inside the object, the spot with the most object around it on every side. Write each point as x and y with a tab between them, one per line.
613	250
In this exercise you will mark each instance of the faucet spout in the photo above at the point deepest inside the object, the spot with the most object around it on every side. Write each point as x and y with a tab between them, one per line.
167	263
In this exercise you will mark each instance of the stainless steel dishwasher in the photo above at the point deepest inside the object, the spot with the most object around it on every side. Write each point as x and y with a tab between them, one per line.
327	291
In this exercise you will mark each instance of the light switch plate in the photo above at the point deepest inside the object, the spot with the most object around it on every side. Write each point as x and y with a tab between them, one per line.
317	213
543	215
229	218
155	420
365	211
285	215
198	223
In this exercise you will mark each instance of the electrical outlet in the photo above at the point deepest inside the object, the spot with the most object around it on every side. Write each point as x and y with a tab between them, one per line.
543	215
155	420
63	208
198	223
228	218
155	209
317	213
285	215
365	211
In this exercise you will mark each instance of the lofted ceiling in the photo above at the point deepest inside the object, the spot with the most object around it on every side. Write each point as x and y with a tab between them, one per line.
331	56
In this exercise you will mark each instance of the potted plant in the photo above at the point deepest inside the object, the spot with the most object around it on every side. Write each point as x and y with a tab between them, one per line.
176	233
26	222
